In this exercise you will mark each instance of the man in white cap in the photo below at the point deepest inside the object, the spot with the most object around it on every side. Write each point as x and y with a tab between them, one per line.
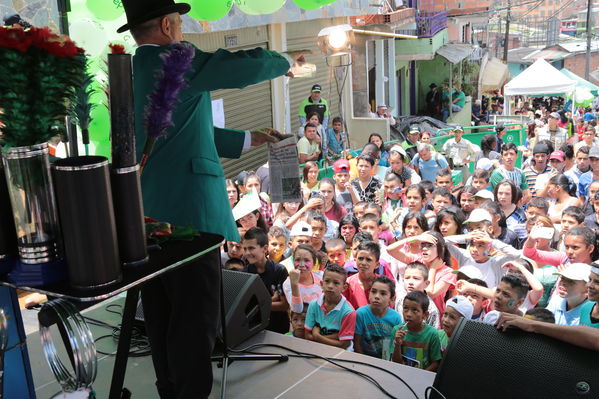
552	131
382	112
572	294
459	152
589	311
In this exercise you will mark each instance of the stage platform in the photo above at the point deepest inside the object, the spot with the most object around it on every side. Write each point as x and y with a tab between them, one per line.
297	378
304	378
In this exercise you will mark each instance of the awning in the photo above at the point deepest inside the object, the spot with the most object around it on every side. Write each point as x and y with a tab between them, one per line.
454	52
493	75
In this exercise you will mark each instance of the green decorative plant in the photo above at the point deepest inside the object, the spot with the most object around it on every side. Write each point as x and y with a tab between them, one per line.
41	72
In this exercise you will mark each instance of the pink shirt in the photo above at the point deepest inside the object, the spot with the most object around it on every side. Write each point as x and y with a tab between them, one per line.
444	274
355	293
331	213
553	258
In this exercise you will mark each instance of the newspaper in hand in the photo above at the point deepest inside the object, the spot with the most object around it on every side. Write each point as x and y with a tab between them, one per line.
284	171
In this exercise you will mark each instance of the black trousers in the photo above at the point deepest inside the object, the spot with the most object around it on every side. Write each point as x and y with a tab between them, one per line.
181	311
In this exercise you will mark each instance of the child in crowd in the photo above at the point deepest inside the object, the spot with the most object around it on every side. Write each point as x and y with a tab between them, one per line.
383	267
331	209
509	297
235	264
371	224
303	284
318	223
479	302
348	226
375	321
341	177
415	343
298	320
366	257
359	209
273	275
435	255
330	319
398	160
336	251
455	308
277	244
571	294
393	195
481	180
415	278
301	233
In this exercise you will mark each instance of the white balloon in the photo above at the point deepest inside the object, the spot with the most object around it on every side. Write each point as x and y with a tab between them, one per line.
89	35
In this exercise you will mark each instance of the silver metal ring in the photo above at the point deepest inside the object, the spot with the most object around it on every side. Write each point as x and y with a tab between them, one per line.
3	332
82	346
82	167
122	171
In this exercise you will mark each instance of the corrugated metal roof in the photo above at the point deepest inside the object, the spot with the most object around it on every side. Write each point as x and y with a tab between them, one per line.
549	55
454	52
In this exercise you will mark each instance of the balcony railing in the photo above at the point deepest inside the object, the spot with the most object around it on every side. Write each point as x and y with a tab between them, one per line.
429	23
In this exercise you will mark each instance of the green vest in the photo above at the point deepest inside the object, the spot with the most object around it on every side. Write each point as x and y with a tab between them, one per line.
183	182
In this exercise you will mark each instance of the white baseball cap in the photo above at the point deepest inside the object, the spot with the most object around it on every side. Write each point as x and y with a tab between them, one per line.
576	271
484	163
462	305
301	229
469	271
479	215
486	194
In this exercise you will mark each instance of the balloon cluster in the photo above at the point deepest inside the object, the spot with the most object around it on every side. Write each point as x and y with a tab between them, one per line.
93	26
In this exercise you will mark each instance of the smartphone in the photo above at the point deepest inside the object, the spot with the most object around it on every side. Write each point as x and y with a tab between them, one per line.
544	232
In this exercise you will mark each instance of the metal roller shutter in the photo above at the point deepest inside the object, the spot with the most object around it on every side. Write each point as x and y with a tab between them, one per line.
302	35
248	108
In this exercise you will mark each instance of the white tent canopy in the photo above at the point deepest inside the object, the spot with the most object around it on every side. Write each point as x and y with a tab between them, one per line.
541	78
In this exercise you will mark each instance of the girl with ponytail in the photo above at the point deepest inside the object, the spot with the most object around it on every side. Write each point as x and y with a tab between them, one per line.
563	191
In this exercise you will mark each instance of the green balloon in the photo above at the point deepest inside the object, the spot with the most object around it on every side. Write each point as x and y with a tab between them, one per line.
99	130
312	4
209	10
258	7
105	10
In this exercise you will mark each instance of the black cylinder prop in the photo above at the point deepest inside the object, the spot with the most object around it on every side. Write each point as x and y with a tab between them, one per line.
86	212
122	121
8	234
128	209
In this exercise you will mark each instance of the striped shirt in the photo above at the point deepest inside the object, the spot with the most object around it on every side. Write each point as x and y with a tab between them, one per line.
531	178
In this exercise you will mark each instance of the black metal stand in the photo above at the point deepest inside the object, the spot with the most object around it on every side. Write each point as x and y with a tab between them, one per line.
226	359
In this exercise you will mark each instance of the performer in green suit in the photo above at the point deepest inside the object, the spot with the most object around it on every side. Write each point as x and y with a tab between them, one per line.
183	183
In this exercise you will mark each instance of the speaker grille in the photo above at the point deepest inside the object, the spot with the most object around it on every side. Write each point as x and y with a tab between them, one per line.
234	283
482	362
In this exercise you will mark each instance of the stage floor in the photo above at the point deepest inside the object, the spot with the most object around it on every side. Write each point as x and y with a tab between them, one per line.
297	378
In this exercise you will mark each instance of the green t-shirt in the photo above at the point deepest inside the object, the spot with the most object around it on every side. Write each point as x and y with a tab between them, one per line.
516	176
461	99
419	349
585	315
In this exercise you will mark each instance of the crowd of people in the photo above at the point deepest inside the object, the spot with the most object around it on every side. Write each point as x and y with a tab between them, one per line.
386	257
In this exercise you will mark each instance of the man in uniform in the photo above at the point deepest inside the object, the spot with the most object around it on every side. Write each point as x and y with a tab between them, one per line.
183	184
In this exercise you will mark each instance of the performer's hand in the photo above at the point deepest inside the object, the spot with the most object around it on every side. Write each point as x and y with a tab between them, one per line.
298	58
266	135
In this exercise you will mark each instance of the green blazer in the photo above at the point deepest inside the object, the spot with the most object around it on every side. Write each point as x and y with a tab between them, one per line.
183	181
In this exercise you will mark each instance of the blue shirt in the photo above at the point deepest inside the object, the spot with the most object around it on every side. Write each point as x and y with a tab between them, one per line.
335	145
585	314
428	169
584	182
374	330
564	317
341	320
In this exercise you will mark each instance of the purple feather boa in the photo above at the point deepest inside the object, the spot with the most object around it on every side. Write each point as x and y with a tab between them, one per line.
170	81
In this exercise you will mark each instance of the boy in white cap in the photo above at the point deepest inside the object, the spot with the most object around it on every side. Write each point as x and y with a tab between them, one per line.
589	311
301	233
483	196
572	294
455	308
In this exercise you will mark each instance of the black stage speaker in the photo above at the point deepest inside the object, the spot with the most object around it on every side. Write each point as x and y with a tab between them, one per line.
247	306
482	362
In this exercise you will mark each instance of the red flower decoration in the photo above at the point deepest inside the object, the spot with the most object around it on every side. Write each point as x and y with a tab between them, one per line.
117	48
42	38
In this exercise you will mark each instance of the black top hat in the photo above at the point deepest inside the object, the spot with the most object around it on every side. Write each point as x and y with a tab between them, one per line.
432	86
140	11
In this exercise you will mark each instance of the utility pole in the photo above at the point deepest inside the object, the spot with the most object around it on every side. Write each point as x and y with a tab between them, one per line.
507	30
587	65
